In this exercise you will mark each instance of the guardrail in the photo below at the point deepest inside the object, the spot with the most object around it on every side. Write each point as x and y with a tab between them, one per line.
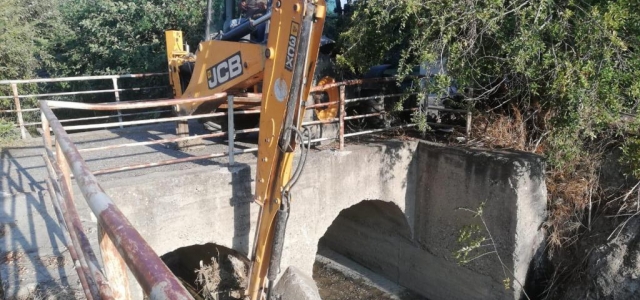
19	111
231	132
121	245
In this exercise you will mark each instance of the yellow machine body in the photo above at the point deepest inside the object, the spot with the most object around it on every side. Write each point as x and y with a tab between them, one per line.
234	67
220	67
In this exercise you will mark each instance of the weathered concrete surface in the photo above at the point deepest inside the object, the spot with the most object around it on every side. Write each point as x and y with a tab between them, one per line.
418	253
296	285
32	252
210	203
22	169
425	183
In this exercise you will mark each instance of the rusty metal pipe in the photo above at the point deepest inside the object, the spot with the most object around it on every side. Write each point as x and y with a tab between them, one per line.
142	122
321	104
82	272
351	82
165	141
74	227
81	78
379	130
88	92
154	276
320	122
382	113
79	237
341	116
171	161
132	104
378	97
114	116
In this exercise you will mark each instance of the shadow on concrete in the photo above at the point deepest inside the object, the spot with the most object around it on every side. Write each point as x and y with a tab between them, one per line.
15	177
372	234
23	204
241	199
26	210
242	196
22	247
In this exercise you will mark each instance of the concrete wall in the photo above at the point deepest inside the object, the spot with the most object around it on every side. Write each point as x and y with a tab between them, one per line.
419	185
510	184
423	182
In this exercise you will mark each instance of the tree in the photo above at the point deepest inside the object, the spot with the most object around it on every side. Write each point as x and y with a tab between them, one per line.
116	37
566	69
575	57
28	30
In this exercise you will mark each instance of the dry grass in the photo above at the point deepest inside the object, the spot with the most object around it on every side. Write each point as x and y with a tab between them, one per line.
512	128
572	190
500	131
222	280
571	197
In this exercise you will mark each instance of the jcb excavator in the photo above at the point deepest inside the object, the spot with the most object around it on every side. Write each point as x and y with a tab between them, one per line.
281	68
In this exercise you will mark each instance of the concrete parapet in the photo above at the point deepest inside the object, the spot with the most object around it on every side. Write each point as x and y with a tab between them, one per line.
408	235
418	252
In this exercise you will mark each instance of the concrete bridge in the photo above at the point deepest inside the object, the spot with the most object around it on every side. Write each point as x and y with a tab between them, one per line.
389	205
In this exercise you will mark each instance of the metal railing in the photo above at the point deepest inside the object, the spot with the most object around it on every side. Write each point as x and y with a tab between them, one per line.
231	132
116	90
118	238
121	244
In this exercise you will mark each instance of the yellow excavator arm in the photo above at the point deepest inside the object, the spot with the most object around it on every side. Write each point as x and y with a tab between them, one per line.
285	65
292	48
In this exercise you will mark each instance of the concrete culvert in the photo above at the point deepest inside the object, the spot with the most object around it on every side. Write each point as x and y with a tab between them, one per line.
357	256
210	271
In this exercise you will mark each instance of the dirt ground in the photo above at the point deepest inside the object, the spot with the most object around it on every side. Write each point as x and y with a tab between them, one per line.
334	285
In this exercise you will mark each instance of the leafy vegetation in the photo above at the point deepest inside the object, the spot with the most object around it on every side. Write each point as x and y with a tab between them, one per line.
560	74
555	77
28	29
116	37
474	242
56	38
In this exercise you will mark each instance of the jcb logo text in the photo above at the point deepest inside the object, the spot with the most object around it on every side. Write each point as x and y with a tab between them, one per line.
224	71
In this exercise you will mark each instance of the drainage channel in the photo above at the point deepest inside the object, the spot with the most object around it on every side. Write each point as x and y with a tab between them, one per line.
214	272
340	278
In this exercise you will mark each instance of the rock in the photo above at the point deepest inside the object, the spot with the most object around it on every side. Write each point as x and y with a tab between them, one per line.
295	285
612	269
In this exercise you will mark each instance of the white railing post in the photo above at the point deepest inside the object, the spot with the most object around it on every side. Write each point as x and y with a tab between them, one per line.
469	116
341	118
117	94
230	129
16	100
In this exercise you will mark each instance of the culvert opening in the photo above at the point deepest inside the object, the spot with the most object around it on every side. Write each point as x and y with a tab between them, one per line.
359	255
210	271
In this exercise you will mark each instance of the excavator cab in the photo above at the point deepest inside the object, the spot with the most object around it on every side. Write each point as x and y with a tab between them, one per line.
225	15
231	59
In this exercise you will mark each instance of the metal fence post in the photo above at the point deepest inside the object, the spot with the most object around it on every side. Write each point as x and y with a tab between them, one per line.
46	131
115	268
117	94
61	161
16	100
231	136
469	116
342	115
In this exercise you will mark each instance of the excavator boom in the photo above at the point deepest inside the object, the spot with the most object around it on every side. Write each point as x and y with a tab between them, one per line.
285	65
292	47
